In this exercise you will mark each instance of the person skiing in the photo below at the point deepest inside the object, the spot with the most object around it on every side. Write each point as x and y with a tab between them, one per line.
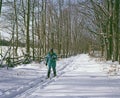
51	62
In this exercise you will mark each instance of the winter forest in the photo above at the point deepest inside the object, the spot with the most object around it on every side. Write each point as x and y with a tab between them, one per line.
59	48
69	26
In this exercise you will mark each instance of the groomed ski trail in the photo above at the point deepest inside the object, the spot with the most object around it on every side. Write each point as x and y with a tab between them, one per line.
78	77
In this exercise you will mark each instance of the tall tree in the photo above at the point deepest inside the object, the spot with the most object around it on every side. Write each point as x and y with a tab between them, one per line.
16	26
116	34
28	25
0	6
33	29
44	25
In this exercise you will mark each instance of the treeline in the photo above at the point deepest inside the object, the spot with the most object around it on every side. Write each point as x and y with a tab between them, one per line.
68	26
45	24
4	42
107	27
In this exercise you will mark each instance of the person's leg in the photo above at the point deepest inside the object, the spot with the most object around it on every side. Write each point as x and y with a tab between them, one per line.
54	70
49	71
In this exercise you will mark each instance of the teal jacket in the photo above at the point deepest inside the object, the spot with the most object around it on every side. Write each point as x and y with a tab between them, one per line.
51	59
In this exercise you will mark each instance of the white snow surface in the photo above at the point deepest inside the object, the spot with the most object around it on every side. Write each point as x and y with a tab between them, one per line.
77	77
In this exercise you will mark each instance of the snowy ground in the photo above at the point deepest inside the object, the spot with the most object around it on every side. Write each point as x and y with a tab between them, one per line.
77	77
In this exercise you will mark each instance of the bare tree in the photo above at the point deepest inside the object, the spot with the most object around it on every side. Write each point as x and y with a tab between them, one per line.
16	27
28	26
33	30
65	25
107	11
0	6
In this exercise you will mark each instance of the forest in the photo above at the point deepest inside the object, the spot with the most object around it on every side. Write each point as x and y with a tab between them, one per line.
70	27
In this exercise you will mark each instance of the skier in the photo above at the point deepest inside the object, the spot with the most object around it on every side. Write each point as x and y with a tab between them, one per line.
51	62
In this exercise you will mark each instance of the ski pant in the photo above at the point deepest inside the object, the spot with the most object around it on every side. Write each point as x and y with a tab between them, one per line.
49	70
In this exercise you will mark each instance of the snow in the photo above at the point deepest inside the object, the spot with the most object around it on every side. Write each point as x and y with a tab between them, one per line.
79	76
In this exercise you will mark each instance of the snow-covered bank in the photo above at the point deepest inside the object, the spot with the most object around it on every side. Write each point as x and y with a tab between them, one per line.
78	77
16	80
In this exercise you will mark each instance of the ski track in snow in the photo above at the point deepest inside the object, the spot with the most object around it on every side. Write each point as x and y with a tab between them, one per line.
44	82
41	81
77	77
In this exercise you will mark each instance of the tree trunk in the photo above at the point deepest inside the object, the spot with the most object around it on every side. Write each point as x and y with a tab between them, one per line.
16	22
0	6
116	30
33	40
44	25
28	25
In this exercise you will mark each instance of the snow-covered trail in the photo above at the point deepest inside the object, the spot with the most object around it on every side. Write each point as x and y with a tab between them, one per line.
78	77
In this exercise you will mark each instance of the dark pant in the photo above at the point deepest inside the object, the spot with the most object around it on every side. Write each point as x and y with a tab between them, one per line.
49	70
